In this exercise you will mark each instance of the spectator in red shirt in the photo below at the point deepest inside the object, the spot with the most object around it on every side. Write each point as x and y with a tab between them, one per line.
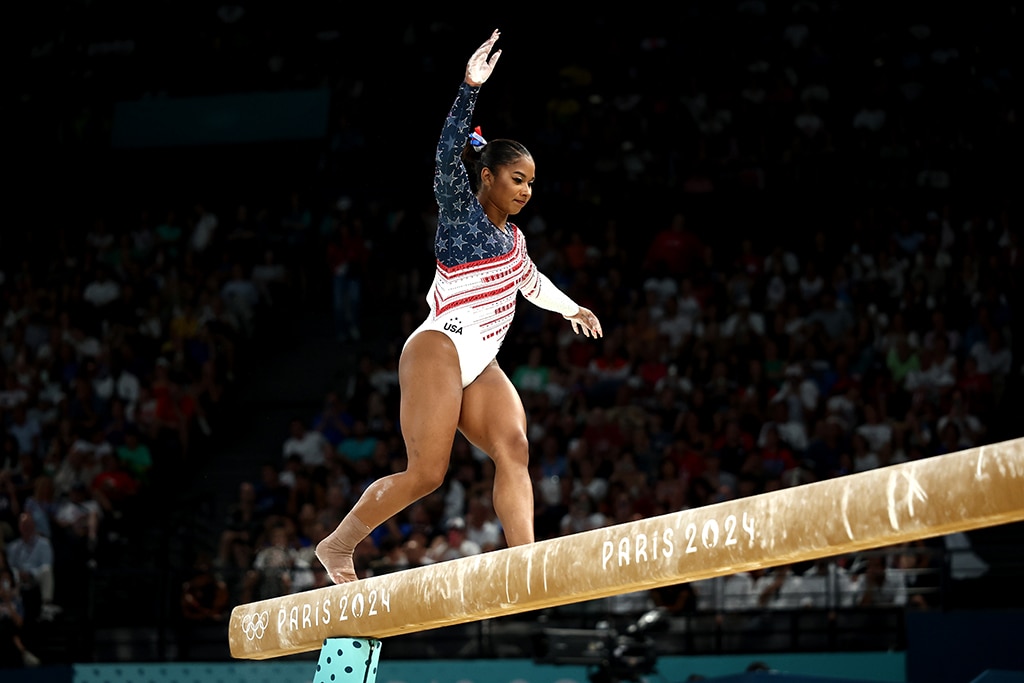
673	249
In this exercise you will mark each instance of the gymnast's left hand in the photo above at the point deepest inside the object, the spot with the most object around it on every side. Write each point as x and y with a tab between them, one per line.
585	322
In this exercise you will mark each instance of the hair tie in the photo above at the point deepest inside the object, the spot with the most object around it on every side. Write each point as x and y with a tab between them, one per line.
477	140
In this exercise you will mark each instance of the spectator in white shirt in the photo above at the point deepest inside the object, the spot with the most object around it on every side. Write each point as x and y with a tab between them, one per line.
779	588
971	429
876	431
102	290
310	445
799	393
730	593
880	585
743	322
675	325
793	432
26	429
994	357
825	585
119	383
30	557
455	544
482	526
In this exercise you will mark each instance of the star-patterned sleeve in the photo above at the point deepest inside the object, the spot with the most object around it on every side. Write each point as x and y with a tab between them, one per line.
480	268
455	200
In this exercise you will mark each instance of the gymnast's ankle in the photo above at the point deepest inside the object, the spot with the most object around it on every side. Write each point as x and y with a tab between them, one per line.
335	551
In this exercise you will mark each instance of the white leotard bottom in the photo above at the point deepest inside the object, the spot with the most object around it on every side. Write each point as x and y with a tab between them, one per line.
475	353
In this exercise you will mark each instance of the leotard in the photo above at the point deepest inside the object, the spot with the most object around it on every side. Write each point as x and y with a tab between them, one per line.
480	268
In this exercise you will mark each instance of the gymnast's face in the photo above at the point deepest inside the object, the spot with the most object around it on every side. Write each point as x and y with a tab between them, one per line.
508	188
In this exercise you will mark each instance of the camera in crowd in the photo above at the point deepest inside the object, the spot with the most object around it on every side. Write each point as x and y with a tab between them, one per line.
610	655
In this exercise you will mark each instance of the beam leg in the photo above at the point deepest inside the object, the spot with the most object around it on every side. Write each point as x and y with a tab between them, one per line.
348	660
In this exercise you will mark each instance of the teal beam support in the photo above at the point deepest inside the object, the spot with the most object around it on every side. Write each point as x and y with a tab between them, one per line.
348	660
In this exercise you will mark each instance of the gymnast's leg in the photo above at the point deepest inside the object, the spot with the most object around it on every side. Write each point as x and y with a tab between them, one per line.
431	396
493	419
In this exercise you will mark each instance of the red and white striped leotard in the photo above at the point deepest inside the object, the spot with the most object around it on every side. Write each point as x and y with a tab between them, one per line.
480	268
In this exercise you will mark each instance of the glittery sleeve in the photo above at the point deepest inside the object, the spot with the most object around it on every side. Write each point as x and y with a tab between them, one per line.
454	194
538	288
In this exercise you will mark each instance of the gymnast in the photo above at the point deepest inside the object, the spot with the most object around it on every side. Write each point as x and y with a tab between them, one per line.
448	371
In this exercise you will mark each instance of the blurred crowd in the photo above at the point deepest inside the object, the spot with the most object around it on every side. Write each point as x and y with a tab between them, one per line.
864	320
119	348
803	246
721	374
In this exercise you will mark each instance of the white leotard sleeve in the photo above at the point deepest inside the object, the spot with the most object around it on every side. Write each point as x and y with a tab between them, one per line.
545	294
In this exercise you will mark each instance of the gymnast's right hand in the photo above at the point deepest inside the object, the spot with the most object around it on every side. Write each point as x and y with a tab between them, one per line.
479	68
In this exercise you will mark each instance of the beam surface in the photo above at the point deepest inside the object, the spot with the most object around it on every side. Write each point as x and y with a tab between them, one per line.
975	488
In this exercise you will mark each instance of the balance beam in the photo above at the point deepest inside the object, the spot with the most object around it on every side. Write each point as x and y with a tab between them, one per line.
975	488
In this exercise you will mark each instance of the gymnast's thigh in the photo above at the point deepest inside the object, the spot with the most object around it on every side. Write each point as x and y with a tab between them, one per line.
493	418
431	395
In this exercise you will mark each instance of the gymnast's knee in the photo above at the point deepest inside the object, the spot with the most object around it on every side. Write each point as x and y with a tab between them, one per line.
427	479
511	449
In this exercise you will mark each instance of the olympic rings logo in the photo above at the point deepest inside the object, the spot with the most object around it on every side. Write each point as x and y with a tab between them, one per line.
255	625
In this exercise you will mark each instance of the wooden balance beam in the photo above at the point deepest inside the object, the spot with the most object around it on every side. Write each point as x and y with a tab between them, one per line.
975	488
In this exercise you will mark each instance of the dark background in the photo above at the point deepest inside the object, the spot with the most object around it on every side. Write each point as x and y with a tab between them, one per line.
580	89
